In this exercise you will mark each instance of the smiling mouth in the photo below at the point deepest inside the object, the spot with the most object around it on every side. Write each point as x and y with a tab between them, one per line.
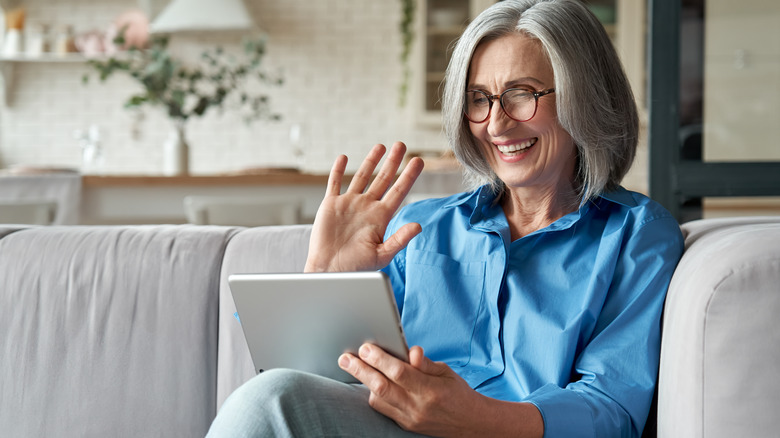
516	149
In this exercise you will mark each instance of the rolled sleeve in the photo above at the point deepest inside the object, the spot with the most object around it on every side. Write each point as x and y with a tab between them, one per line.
565	413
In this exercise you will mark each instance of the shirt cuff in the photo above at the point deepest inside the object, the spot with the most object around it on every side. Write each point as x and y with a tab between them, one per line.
565	413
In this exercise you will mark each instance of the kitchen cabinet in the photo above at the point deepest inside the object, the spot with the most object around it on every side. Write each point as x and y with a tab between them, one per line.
624	21
440	22
629	34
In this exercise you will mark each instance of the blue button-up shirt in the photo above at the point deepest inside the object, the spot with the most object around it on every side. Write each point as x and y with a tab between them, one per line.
566	318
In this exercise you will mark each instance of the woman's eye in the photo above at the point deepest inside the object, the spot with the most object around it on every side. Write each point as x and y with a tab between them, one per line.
519	96
478	99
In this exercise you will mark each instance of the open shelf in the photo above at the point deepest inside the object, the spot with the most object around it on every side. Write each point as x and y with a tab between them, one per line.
8	66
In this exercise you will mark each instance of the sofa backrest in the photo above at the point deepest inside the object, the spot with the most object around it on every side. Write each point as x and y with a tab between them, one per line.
109	331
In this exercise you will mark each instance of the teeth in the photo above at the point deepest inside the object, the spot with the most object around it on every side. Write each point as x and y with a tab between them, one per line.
514	149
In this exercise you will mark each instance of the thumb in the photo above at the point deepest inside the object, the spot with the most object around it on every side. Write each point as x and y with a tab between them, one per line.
418	360
398	241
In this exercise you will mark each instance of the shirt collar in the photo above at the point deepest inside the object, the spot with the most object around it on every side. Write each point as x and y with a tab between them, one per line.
620	196
487	215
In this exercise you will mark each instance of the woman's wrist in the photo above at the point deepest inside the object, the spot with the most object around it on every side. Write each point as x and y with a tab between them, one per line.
511	419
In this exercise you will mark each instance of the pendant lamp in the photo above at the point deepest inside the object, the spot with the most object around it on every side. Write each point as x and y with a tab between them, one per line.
202	15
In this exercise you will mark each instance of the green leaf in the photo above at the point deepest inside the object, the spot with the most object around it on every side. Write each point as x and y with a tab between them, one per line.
217	79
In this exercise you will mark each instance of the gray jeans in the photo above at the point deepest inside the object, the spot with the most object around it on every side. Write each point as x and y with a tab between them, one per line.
286	403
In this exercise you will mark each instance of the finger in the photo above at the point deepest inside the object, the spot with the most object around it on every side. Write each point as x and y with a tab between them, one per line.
394	369
398	241
418	360
382	391
388	171
366	171
336	175
397	193
417	357
374	380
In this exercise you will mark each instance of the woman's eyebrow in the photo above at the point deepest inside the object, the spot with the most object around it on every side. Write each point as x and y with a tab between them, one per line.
509	84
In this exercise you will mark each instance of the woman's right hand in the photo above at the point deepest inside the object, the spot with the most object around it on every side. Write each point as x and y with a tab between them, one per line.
348	231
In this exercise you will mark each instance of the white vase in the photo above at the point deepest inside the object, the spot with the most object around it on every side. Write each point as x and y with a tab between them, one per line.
176	153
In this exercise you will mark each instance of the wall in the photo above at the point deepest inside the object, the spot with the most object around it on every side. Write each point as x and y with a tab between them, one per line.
741	80
340	63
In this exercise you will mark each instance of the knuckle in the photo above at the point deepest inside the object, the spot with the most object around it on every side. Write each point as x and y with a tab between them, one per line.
396	191
381	388
373	401
396	373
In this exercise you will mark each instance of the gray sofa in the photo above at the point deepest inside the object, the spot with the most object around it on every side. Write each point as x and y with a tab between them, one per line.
129	330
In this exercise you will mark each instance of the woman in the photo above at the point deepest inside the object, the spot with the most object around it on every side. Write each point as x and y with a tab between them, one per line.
537	296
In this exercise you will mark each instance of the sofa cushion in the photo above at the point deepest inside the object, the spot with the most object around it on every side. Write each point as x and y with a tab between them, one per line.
721	339
109	330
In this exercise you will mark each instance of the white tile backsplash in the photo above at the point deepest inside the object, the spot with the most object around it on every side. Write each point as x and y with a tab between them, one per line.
339	59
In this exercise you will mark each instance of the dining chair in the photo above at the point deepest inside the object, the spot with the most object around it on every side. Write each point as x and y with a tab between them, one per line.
34	212
247	211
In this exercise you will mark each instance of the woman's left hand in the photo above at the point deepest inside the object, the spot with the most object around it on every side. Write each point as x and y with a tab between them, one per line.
421	396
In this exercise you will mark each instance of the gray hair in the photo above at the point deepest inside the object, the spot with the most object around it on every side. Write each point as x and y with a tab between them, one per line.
594	101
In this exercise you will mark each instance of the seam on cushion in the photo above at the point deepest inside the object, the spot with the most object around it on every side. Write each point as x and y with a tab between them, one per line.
707	306
715	290
16	230
230	234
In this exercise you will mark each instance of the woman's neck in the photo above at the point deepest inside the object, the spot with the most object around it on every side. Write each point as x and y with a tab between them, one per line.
528	210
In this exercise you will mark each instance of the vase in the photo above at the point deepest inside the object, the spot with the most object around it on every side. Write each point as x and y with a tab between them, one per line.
176	153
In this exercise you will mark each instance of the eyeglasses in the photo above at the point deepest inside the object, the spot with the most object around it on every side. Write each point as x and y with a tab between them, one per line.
518	103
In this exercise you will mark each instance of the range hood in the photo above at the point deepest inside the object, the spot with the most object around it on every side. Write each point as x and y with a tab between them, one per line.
202	15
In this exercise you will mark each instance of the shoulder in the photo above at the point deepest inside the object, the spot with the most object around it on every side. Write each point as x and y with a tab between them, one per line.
635	206
640	217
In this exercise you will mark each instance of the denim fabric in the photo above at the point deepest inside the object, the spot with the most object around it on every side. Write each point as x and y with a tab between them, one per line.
286	403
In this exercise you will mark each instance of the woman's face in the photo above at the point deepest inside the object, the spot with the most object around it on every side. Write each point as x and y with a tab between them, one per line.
535	154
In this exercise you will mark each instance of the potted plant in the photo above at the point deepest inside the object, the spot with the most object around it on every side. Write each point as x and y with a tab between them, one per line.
219	81
407	39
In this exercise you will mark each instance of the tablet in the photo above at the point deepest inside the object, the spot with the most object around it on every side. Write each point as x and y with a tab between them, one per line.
306	321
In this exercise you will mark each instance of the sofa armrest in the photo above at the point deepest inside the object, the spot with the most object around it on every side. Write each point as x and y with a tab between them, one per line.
721	338
254	250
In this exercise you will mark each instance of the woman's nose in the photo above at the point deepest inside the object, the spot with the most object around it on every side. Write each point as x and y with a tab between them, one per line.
498	122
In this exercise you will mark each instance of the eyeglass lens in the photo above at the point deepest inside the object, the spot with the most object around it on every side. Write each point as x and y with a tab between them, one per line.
518	103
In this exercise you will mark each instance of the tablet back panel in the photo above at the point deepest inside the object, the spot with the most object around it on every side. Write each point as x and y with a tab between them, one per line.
306	321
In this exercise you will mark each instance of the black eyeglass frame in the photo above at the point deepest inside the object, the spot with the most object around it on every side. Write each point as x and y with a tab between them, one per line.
500	97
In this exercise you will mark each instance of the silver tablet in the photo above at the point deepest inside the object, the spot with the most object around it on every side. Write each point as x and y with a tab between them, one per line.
306	321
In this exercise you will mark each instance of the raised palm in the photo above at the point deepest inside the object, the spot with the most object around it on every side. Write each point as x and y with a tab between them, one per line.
348	232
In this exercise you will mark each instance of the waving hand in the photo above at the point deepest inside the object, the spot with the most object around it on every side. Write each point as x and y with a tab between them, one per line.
348	232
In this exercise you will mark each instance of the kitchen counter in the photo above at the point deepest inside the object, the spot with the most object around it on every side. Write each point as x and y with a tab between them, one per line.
156	199
269	178
150	199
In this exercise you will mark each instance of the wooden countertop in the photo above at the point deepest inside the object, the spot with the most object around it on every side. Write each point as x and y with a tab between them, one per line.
253	177
270	178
